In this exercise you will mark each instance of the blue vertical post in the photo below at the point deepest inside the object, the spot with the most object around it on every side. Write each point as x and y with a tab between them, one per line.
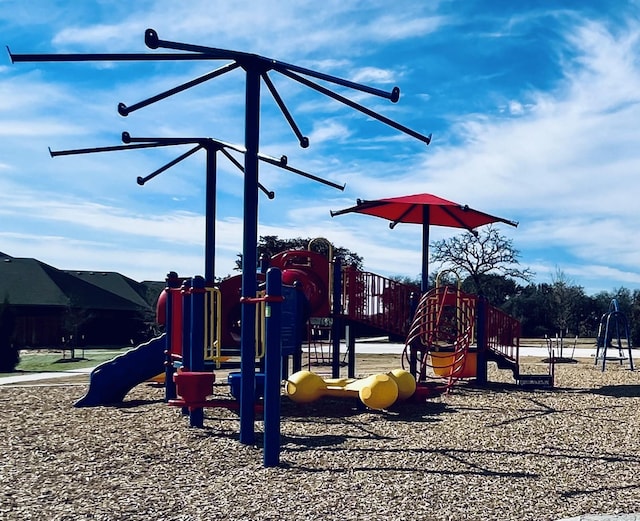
210	216
185	291
272	367
249	256
196	341
335	313
426	217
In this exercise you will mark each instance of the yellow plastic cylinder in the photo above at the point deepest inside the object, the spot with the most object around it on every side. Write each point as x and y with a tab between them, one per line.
305	387
378	391
406	383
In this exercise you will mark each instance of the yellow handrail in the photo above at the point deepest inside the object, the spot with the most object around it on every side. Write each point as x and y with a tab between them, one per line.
213	326
330	259
260	329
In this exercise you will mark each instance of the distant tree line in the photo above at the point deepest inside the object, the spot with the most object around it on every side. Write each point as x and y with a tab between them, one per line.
489	264
486	262
270	245
559	307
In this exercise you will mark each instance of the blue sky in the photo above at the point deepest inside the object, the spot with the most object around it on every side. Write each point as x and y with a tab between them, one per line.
533	106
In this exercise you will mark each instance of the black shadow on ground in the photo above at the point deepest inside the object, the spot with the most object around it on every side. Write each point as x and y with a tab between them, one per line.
617	391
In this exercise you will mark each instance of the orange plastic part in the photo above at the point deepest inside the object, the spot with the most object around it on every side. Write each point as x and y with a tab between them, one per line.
458	365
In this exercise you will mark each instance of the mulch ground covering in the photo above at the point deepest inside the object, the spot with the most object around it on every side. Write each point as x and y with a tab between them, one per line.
499	453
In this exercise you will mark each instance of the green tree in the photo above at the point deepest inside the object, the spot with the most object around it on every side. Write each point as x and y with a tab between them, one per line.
407	281
532	306
9	353
567	300
270	245
587	315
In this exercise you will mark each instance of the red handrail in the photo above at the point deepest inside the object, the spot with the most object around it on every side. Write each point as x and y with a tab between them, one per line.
445	321
377	301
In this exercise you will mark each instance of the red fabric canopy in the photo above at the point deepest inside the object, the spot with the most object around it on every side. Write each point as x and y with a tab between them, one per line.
411	209
425	209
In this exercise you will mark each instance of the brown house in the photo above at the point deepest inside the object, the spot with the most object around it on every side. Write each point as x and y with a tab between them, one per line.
53	307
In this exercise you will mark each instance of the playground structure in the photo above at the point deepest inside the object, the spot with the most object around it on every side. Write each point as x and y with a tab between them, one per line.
450	335
207	325
209	338
614	327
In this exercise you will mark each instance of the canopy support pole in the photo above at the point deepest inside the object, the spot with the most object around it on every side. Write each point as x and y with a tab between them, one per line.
424	285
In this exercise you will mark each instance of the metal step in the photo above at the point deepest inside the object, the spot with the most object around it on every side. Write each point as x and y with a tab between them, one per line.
538	381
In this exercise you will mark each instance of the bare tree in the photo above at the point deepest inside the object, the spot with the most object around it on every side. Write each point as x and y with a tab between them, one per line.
478	255
567	298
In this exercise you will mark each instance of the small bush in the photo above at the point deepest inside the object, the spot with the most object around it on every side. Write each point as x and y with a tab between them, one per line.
9	353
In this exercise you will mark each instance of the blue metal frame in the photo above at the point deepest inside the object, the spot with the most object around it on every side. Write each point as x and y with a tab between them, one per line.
272	368
212	146
256	68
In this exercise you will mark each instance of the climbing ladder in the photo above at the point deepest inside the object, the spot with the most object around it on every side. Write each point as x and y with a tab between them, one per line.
442	335
319	342
614	326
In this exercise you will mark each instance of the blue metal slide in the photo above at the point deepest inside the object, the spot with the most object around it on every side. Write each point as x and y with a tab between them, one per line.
111	381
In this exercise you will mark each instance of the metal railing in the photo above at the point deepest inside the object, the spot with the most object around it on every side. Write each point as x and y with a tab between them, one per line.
377	301
503	333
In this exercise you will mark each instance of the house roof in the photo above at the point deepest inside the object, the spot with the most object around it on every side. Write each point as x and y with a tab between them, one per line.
25	281
115	283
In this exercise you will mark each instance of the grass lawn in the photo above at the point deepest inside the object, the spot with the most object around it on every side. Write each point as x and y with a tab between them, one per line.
40	361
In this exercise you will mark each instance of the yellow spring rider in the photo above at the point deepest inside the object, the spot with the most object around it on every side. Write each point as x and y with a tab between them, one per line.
378	391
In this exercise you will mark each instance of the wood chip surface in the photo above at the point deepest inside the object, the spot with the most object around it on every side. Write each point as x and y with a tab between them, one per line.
497	453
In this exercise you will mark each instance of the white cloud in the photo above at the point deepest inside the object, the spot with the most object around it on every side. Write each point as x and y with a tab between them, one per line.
373	75
403	25
115	37
563	160
173	227
516	108
329	131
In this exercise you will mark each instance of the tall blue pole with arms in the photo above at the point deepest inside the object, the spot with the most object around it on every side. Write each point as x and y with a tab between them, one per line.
256	68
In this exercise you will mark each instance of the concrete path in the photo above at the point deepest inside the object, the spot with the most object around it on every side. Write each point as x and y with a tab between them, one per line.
604	517
34	377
